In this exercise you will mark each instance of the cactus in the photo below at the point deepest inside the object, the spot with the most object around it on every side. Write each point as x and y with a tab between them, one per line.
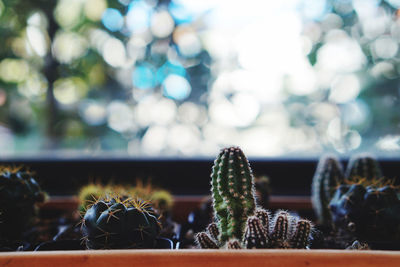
364	166
239	223
115	223
89	194
232	191
363	204
19	196
328	176
369	209
283	231
162	201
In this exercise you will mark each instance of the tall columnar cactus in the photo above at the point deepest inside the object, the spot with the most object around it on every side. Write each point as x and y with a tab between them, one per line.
364	166
19	195
233	192
115	223
239	223
328	176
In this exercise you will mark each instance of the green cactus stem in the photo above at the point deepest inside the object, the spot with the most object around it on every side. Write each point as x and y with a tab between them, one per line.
233	192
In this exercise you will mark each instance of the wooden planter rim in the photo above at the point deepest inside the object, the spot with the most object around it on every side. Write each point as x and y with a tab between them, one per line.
209	258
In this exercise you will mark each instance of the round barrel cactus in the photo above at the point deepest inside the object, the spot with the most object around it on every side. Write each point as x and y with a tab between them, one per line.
19	194
120	223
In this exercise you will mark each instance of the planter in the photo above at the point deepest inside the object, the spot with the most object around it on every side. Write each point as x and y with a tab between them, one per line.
193	258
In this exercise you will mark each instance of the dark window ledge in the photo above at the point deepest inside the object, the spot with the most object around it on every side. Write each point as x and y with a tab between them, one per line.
64	176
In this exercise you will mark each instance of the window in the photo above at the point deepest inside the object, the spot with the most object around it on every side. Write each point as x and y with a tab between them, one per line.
183	78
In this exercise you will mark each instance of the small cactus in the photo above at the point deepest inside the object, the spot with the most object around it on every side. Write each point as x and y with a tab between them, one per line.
233	192
114	223
239	223
19	196
283	231
328	176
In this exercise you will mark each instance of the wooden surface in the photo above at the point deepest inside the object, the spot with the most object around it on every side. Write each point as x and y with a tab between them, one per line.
201	258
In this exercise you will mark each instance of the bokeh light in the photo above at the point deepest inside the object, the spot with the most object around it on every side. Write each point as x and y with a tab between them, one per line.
183	77
143	77
112	19
176	87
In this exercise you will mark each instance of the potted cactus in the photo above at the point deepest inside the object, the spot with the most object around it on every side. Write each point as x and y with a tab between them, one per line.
359	204
239	223
118	223
281	237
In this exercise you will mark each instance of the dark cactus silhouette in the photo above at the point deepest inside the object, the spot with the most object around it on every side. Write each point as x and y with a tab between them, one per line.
328	176
114	223
364	204
364	166
368	209
19	195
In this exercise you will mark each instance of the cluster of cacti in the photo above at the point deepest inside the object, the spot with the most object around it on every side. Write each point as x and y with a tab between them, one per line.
115	223
19	195
363	203
282	231
239	223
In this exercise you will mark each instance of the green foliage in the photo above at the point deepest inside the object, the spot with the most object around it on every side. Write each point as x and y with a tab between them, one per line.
114	223
19	195
239	224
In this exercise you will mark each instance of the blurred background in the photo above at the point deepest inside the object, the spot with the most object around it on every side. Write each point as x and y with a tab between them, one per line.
178	78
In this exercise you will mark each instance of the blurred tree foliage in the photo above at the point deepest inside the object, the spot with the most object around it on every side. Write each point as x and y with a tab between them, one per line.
72	73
